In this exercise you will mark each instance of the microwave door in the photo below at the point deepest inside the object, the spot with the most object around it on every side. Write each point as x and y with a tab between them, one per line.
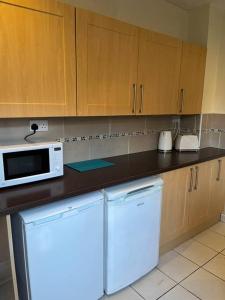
26	163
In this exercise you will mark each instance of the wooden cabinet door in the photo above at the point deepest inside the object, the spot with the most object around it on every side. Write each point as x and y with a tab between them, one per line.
107	53
217	197
158	73
174	205
192	78
37	58
199	194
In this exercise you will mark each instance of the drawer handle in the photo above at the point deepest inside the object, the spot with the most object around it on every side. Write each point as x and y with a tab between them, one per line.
181	100
219	170
142	98
134	97
191	181
196	177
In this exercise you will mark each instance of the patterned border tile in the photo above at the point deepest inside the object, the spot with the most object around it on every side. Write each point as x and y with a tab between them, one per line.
109	136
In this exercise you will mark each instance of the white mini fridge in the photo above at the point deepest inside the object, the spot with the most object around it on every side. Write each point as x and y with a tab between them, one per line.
59	250
132	234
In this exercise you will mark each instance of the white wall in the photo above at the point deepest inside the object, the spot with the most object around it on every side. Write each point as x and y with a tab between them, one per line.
214	89
157	15
198	25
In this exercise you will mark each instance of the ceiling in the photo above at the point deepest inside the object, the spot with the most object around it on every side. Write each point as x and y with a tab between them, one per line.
190	4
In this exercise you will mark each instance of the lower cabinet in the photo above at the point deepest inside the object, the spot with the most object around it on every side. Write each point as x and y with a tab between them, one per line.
193	197
217	199
175	206
198	194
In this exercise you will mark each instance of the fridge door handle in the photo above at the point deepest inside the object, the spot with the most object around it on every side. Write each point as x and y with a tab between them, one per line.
140	190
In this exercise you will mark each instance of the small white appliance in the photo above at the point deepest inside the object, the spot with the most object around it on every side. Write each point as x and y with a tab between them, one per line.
59	249
187	143
165	141
26	163
132	231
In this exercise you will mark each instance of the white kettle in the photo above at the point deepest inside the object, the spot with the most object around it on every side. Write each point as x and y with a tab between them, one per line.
165	141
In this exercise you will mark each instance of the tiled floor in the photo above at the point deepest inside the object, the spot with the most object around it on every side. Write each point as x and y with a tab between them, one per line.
194	270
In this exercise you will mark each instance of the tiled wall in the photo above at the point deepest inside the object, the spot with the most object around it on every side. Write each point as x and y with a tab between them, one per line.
190	124
213	131
89	138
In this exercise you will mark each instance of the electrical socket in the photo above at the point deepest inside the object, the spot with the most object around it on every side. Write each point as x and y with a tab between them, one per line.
42	125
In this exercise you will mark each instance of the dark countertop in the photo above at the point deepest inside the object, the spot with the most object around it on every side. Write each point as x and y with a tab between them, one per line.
127	167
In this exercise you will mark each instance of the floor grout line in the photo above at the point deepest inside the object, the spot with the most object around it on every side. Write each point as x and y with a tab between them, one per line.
192	260
207	245
214	274
137	292
167	291
190	292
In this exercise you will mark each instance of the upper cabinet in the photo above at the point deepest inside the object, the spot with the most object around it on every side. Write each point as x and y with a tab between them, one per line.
158	73
107	53
37	59
125	70
121	69
192	79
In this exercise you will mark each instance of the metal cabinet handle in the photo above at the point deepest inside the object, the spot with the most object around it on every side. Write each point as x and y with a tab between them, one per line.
142	98
219	170
134	97
181	100
196	177
191	181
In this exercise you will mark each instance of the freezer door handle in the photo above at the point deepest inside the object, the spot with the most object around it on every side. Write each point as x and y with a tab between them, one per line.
140	190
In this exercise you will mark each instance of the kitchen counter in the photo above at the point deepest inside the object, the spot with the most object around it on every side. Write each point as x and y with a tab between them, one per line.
126	168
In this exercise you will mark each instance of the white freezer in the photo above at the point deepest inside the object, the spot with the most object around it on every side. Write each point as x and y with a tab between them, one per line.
59	250
133	213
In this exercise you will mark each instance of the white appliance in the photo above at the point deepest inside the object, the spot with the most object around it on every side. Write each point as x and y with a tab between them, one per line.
187	143
132	234
26	163
165	141
59	249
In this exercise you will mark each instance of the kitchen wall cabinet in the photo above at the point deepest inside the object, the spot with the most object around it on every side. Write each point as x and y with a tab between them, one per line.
217	196
158	73
192	75
121	69
107	54
38	58
175	206
125	70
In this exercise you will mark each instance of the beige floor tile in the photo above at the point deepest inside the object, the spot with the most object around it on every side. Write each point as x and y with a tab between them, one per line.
219	228
154	285
217	266
196	252
205	285
176	266
211	239
178	293
125	294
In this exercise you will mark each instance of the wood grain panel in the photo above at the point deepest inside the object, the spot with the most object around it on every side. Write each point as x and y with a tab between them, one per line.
175	206
217	197
38	58
158	71
192	77
107	53
199	197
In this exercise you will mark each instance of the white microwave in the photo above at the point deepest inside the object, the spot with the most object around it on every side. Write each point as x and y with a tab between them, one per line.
26	163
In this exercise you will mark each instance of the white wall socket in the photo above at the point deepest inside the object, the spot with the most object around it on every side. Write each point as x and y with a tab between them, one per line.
42	125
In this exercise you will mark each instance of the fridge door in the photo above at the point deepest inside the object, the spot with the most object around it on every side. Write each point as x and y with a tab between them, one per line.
133	231
64	255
